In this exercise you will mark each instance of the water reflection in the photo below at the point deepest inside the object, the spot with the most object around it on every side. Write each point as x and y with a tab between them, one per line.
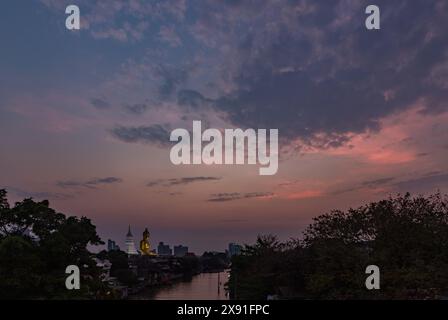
205	286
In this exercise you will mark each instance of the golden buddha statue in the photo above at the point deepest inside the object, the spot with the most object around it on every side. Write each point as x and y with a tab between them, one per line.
145	245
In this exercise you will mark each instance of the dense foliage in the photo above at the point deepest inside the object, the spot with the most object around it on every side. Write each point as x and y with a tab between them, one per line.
407	237
37	244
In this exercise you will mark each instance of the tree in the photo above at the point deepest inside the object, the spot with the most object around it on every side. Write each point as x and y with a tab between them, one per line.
407	237
20	268
37	244
255	272
119	266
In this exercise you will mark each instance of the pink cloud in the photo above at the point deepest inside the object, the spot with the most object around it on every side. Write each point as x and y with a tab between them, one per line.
306	194
389	146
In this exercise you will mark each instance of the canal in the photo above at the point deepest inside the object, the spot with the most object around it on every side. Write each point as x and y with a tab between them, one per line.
205	286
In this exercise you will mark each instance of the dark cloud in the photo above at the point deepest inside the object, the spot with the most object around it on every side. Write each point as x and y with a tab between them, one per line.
233	220
435	180
100	103
432	173
38	195
155	134
92	183
422	154
369	184
289	183
431	182
313	71
191	98
136	109
179	181
171	78
377	182
224	197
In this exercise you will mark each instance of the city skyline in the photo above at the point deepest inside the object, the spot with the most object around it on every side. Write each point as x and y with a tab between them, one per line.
177	248
86	115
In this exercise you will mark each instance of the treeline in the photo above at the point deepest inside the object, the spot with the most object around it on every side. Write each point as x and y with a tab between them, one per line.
406	237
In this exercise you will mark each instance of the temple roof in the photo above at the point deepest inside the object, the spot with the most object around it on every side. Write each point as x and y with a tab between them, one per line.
129	232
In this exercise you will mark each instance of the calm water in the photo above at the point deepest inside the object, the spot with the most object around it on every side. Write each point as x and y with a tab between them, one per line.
202	287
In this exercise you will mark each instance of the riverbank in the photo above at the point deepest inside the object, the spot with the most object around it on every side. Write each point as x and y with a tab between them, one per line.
128	275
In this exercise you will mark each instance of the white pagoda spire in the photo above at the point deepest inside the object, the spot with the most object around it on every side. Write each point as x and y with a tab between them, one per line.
130	245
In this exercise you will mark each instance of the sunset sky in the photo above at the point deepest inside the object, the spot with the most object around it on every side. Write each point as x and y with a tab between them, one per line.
85	116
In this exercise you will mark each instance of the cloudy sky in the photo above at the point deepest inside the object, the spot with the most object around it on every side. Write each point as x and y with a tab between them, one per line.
85	116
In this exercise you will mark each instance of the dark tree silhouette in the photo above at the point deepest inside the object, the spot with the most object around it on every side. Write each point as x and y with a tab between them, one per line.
407	237
37	244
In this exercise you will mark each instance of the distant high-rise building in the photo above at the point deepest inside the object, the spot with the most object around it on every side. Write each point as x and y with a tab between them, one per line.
164	249
234	249
112	246
130	245
180	251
